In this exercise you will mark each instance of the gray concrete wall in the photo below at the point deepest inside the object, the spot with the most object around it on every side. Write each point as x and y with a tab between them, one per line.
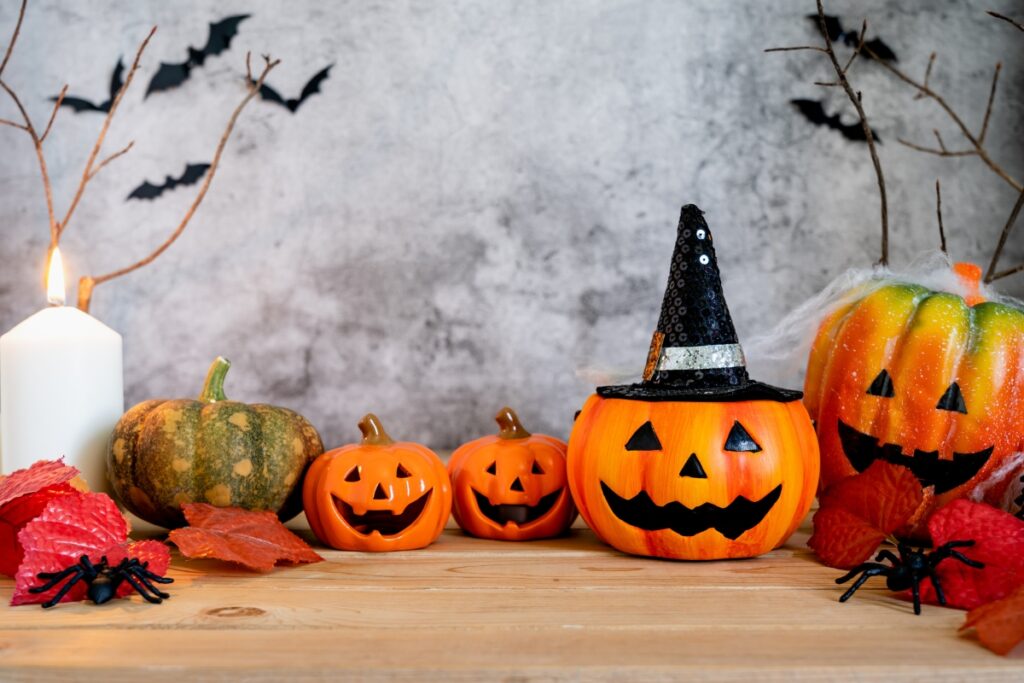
483	198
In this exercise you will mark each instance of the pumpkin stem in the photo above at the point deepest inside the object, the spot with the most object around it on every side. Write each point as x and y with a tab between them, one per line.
213	387
970	278
511	427
373	431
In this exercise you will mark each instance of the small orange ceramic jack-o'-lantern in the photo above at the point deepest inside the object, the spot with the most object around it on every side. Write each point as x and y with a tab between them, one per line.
377	495
511	486
697	461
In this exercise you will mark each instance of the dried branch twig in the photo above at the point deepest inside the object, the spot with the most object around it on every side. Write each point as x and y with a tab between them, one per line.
938	215
14	37
37	143
855	97
991	275
87	283
90	171
1013	22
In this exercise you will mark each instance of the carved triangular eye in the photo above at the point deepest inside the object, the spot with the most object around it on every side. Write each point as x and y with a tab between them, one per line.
953	400
492	468
402	473
882	385
353	474
644	439
740	441
536	469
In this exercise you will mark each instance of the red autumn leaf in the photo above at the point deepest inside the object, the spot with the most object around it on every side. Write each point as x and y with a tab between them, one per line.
998	543
71	526
857	513
252	538
1000	624
31	479
19	512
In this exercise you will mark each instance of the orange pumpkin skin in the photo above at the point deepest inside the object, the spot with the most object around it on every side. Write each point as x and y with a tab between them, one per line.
788	458
511	486
377	495
925	341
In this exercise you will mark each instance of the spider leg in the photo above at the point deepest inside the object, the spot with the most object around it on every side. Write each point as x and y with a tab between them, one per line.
966	560
142	571
145	581
53	578
939	595
141	590
887	555
858	569
916	587
868	573
59	595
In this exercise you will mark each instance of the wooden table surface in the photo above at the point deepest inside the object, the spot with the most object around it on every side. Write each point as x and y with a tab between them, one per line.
468	609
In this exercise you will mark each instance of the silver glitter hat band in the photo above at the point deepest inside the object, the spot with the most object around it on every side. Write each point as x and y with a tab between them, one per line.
701	357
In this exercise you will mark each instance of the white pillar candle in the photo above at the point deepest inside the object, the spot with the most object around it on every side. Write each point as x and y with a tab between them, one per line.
61	387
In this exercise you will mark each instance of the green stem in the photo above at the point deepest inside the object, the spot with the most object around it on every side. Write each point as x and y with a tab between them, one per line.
213	387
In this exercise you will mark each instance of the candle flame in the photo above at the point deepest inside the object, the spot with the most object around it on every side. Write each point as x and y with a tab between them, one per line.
55	279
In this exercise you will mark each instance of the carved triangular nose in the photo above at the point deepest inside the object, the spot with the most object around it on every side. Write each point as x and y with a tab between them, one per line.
517	485
379	493
693	468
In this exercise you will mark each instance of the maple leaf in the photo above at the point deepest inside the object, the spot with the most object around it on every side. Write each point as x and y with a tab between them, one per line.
1000	624
15	514
998	543
31	479
856	514
71	526
252	538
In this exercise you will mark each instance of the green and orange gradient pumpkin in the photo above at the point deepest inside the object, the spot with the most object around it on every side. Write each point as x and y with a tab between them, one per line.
697	461
927	379
511	486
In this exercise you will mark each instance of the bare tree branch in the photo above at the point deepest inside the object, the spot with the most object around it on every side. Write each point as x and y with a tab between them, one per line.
988	107
14	37
53	114
88	283
991	274
938	215
37	143
816	48
941	151
1014	22
88	173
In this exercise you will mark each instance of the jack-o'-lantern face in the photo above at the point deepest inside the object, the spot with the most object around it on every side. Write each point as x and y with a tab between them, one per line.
921	379
377	495
511	486
693	480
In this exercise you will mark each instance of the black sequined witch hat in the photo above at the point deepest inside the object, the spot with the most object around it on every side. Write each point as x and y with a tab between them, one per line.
695	355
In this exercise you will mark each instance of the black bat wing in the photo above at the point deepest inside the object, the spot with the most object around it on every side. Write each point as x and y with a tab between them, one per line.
832	25
191	175
313	86
270	95
881	50
80	105
168	76
117	79
813	111
221	33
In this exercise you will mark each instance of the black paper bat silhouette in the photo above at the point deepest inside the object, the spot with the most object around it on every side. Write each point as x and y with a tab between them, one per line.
80	105
814	111
172	75
147	190
850	38
313	86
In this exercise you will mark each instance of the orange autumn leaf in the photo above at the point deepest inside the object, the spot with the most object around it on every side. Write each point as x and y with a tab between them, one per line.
1000	624
255	539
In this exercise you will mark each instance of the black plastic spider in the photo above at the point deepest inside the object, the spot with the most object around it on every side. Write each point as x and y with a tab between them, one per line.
909	569
104	580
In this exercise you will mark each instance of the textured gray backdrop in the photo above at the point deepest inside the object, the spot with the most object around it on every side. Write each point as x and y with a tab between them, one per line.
483	198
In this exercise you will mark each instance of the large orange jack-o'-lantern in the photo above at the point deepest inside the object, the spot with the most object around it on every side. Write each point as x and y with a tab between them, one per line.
377	495
924	379
697	461
511	486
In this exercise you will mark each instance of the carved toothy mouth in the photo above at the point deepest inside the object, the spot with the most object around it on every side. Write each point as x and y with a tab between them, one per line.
516	514
945	475
384	522
731	521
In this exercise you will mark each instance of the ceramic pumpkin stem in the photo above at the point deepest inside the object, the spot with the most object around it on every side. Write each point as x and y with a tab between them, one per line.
970	277
511	427
213	387
373	431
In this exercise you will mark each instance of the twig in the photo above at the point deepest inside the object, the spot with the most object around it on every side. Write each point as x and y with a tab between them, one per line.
855	98
87	283
53	114
925	90
14	37
1014	22
991	275
37	143
940	152
988	107
89	173
938	214
927	76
